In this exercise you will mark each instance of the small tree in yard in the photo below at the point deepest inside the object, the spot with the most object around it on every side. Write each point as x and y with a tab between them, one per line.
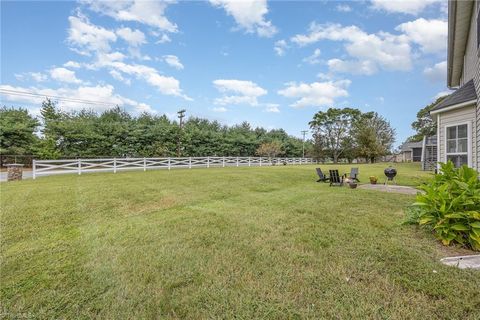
333	129
269	149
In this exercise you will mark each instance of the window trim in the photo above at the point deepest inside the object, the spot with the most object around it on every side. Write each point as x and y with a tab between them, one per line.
469	141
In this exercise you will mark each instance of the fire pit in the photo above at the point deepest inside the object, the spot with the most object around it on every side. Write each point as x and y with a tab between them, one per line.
390	173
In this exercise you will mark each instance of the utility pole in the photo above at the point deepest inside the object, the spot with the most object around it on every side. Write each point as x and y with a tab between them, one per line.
181	115
304	132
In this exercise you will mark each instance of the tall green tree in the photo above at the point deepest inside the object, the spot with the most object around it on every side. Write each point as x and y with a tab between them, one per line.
17	131
51	117
373	136
333	129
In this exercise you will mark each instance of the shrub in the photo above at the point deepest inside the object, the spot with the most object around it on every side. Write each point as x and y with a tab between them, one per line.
450	206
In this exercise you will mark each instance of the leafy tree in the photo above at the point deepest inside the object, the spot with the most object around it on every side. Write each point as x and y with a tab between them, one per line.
424	125
51	119
373	136
17	131
269	149
333	129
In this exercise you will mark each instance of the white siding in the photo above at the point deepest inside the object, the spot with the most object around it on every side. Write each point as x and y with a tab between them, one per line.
471	70
454	117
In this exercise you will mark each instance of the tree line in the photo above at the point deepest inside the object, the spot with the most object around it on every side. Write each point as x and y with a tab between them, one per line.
116	133
337	134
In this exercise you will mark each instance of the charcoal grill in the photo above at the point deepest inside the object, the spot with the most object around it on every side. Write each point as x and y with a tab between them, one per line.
390	173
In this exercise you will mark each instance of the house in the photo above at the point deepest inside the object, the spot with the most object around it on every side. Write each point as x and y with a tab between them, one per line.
424	151
411	151
458	115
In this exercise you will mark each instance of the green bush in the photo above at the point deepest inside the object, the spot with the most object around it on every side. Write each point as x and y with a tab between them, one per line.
450	206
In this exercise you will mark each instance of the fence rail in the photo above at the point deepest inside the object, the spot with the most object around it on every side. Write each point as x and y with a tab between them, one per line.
80	166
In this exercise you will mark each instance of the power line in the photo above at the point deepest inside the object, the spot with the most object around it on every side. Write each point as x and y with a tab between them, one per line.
59	98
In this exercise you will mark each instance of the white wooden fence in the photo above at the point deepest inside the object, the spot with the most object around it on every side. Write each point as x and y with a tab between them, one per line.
79	166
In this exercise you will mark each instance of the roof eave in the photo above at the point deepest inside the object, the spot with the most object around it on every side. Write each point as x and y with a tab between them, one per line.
455	106
459	17
451	38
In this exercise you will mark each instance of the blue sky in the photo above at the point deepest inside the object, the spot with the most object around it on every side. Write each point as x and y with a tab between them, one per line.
272	63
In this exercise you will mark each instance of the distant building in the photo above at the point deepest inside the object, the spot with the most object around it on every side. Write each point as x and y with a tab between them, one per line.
411	151
424	151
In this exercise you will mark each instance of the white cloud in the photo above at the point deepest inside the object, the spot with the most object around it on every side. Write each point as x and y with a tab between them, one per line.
64	75
325	76
316	94
151	13
244	92
35	76
343	8
430	35
272	107
103	96
72	64
88	37
173	61
134	38
437	73
280	47
366	67
249	15
313	59
164	84
220	109
403	6
118	76
164	39
382	50
105	60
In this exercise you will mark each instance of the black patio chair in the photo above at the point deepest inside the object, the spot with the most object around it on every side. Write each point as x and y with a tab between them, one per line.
335	178
322	177
354	175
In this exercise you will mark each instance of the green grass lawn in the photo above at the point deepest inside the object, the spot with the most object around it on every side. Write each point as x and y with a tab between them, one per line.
222	243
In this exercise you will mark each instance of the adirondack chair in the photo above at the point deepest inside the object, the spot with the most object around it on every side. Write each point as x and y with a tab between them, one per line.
335	178
354	175
321	176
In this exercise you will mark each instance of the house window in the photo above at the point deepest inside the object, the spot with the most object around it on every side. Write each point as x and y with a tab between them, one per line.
457	145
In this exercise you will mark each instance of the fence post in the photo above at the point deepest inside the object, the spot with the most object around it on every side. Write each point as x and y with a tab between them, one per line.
79	166
169	165
208	162
249	161
114	165
260	161
34	167
144	164
223	162
189	162
237	161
